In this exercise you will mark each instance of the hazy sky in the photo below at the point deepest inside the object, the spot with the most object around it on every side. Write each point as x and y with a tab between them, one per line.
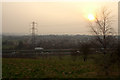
51	17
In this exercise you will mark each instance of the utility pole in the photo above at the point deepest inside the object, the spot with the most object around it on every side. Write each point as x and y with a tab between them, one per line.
33	34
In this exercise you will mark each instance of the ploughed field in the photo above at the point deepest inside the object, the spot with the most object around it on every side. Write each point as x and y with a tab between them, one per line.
65	66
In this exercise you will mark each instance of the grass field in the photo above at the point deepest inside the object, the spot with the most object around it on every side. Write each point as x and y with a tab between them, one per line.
54	67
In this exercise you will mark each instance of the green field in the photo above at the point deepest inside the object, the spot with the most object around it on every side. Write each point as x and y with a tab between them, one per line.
55	67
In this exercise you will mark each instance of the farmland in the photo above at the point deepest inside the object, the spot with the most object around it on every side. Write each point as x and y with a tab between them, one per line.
66	66
63	56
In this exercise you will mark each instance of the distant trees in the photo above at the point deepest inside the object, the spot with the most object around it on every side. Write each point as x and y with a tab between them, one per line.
60	41
8	45
20	45
45	41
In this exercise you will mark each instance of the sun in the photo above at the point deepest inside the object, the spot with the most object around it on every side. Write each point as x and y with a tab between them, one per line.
91	17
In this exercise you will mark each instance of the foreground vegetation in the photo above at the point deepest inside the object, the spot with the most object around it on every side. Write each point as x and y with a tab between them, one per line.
56	67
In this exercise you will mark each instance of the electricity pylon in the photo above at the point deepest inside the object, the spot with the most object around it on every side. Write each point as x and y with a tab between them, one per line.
33	34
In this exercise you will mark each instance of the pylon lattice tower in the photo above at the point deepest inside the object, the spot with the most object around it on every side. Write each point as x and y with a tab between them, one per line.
33	34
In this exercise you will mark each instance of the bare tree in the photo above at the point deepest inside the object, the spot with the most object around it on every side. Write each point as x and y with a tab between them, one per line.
104	39
102	28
